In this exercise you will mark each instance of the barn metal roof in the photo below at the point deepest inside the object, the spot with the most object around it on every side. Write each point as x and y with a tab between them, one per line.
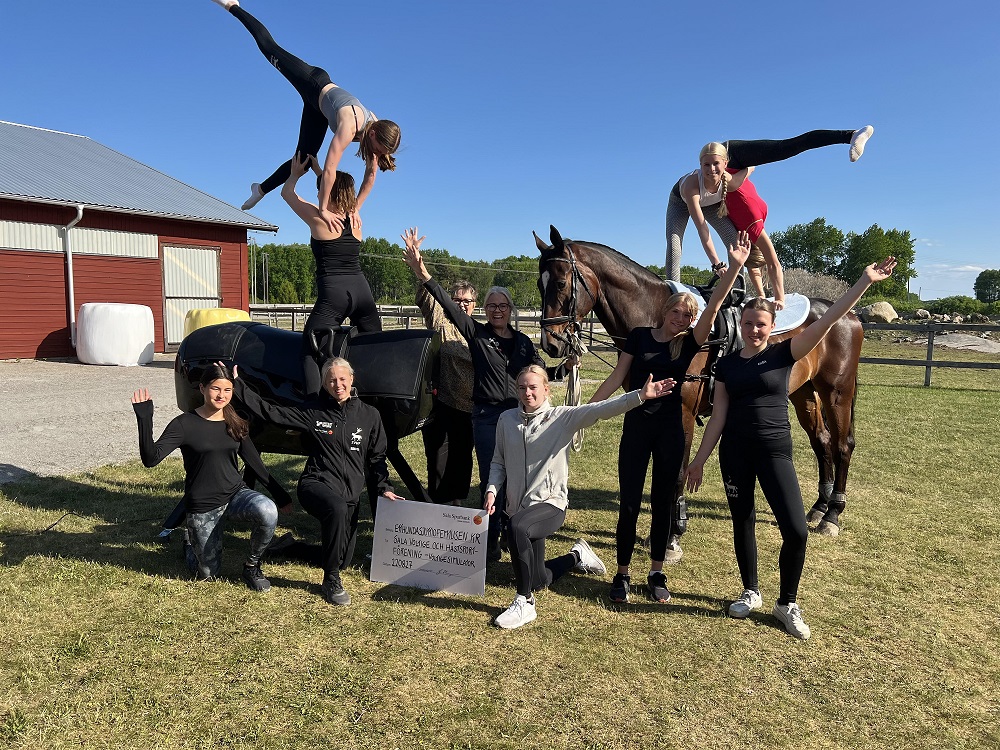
46	166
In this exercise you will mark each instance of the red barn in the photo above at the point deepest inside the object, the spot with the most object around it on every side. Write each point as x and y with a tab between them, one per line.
81	223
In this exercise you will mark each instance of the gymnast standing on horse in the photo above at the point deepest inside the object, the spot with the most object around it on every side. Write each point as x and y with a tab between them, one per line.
656	430
342	289
707	186
499	353
750	415
324	105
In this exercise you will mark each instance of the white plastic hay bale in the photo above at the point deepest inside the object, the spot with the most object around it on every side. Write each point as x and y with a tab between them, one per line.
110	333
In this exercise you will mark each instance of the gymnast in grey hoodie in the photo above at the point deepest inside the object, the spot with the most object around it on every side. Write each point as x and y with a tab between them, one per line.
532	457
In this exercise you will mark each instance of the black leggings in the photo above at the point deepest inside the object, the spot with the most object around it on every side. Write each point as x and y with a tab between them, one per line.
338	517
340	297
645	437
744	461
526	533
306	79
754	153
448	449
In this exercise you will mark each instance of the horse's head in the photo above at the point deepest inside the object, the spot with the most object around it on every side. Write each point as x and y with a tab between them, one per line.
569	291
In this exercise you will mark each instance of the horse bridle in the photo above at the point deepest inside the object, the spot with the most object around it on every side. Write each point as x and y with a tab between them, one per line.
572	340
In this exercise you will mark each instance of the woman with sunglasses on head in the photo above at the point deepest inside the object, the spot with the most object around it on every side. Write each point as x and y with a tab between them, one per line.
324	105
499	353
750	415
210	438
655	432
447	439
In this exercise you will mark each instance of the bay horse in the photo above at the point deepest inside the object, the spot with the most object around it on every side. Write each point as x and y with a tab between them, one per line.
577	278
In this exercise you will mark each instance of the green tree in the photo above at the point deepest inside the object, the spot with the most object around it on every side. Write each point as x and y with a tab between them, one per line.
519	273
287	263
389	278
284	293
873	245
816	247
987	286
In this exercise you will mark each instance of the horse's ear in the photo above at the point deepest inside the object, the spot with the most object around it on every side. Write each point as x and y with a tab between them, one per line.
542	247
556	238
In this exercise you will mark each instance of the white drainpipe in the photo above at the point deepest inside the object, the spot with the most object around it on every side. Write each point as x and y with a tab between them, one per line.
69	274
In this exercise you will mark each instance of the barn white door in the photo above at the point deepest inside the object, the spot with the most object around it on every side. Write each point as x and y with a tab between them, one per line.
190	282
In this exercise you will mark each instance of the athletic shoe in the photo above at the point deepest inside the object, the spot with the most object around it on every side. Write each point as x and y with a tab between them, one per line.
227	4
656	583
588	562
791	617
254	579
749	601
333	590
520	612
620	588
255	195
858	141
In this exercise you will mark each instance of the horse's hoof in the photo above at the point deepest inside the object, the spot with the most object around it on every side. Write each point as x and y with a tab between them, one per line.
674	554
815	516
828	529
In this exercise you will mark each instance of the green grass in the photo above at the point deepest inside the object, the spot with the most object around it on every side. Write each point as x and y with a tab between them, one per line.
105	644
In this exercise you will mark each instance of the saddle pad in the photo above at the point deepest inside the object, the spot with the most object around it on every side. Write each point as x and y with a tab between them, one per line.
793	315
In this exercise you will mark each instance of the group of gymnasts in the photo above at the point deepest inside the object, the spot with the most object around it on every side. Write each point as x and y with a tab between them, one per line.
493	397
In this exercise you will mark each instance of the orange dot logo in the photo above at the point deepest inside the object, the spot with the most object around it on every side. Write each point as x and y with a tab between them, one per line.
477	520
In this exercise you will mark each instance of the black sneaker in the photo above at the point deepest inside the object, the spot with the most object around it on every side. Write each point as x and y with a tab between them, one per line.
620	588
254	579
333	590
657	587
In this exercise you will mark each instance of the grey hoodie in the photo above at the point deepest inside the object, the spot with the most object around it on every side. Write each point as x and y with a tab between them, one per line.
532	452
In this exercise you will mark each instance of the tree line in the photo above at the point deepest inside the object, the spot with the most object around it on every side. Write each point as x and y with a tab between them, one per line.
816	247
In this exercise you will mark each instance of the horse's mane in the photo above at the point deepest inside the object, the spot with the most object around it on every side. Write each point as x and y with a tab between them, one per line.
639	271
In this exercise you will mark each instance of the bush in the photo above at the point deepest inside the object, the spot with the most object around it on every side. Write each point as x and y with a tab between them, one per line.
958	305
813	284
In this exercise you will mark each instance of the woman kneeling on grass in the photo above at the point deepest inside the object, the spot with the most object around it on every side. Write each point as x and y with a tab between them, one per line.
210	438
532	457
750	414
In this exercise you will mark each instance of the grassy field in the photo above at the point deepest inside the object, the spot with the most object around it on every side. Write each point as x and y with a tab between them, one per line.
105	644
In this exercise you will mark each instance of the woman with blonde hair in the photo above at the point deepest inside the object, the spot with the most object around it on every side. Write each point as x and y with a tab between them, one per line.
707	185
324	105
532	459
656	430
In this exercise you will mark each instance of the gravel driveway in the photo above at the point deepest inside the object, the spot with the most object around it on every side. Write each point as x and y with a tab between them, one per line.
61	417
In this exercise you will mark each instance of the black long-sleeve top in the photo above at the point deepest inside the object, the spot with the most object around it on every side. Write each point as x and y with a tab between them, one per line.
344	440
496	360
211	473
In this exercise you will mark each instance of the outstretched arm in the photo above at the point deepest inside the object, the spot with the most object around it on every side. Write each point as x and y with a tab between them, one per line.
615	380
805	342
152	452
308	212
367	183
738	255
689	191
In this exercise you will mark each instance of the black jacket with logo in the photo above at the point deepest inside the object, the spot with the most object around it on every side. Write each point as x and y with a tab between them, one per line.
345	441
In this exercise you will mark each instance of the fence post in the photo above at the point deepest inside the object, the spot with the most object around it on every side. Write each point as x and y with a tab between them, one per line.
930	356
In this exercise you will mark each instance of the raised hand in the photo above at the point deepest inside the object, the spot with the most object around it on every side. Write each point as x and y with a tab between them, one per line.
880	271
300	164
411	253
739	252
141	395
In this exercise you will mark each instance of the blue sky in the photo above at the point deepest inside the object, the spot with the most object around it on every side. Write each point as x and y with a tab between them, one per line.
518	115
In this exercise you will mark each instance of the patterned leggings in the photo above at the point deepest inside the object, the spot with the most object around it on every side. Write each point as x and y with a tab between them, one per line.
205	530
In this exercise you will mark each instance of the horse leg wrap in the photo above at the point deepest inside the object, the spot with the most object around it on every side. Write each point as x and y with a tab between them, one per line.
822	504
830	525
680	517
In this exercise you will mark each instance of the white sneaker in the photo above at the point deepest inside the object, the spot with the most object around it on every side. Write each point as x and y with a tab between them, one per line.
589	561
858	141
749	601
791	617
520	612
255	195
227	4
